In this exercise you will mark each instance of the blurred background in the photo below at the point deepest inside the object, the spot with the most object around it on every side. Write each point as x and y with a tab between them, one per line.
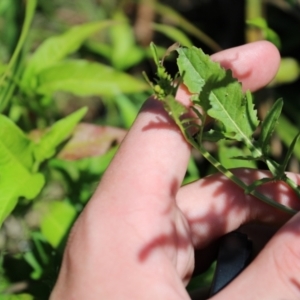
58	56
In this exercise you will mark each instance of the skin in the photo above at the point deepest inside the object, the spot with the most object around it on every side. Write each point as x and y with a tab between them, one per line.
136	237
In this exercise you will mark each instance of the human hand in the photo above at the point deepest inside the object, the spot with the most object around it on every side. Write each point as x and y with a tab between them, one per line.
136	237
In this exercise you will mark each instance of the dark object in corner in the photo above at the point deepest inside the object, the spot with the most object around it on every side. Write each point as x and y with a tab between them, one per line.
233	256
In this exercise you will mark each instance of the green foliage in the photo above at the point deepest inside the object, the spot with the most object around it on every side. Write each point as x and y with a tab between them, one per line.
69	55
62	129
268	33
214	87
16	166
21	157
57	221
217	94
83	78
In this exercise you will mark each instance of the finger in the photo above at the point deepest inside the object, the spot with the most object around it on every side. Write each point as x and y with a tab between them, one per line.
215	205
274	274
254	64
154	155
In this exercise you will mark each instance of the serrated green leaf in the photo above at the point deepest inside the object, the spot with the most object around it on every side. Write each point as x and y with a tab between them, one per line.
59	132
57	221
16	163
221	95
85	78
189	61
58	47
268	125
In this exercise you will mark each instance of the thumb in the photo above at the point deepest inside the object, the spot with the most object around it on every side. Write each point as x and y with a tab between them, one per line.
274	274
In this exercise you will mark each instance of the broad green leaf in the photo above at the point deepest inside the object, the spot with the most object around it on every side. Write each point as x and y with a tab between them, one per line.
58	132
87	78
173	33
58	47
268	125
16	163
57	222
221	95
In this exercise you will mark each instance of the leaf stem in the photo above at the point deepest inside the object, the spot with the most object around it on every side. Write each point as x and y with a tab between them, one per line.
235	179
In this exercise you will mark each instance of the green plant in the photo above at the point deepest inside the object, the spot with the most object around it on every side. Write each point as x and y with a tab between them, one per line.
37	149
62	57
216	94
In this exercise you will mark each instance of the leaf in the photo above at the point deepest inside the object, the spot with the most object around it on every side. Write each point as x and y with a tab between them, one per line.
268	125
287	131
188	63
59	131
85	78
283	165
58	47
31	259
57	221
221	95
16	162
124	53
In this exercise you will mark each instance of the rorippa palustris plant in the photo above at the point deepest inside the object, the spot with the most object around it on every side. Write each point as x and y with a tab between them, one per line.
217	95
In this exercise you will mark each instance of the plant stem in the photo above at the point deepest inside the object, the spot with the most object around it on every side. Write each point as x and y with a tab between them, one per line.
30	9
235	179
